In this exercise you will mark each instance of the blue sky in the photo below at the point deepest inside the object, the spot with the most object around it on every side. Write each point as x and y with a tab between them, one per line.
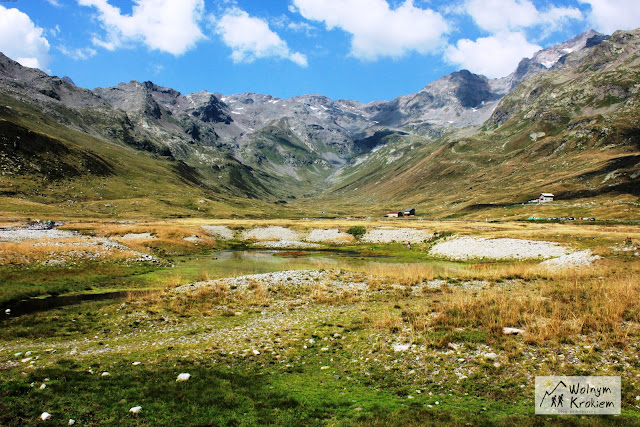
345	49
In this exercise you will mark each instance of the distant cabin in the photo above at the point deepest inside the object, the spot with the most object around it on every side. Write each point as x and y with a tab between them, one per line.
409	212
393	214
545	197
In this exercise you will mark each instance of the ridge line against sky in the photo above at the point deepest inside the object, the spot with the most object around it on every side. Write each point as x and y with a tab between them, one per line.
351	49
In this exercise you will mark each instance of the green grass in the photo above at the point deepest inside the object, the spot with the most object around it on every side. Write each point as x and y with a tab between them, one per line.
217	395
31	281
231	389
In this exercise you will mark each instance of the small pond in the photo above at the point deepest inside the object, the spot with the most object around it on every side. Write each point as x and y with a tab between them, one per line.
227	263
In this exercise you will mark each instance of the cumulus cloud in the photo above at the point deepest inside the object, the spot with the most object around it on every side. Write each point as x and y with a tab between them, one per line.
509	15
21	40
608	16
494	56
167	25
377	30
251	38
506	21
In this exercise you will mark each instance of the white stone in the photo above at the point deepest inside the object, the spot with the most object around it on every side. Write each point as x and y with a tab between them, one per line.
332	235
135	409
468	247
183	377
219	232
45	416
401	347
576	259
270	233
393	234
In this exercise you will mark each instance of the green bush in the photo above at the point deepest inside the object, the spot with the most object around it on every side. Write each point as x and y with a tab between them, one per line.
357	231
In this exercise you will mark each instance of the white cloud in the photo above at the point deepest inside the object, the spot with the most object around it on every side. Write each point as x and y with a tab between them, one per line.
21	40
251	38
506	20
301	27
509	15
54	3
157	69
608	16
78	53
377	30
55	31
284	22
167	25
494	56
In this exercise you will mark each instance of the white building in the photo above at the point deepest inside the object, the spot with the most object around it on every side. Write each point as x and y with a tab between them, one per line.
545	197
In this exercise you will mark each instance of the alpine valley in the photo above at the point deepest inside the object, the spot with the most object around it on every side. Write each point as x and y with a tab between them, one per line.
566	121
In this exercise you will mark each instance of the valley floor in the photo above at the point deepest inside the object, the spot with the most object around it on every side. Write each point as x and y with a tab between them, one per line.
300	322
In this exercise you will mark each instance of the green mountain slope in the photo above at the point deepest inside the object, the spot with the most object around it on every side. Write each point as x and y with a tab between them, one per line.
573	131
48	168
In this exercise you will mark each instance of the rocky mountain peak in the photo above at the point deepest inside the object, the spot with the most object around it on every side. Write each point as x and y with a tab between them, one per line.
546	59
472	90
8	66
213	111
68	80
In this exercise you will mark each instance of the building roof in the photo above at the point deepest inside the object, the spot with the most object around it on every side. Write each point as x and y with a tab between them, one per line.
546	194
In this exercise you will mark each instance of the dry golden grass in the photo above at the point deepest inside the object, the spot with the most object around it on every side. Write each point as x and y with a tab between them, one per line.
29	252
381	276
204	300
556	310
384	320
164	233
217	293
203	276
257	294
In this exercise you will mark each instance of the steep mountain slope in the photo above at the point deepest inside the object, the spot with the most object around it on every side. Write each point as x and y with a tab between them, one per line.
573	131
